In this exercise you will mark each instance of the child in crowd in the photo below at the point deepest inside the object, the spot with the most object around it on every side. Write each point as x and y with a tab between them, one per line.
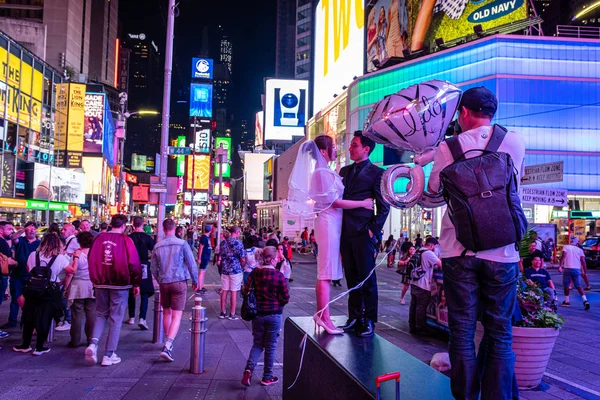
271	290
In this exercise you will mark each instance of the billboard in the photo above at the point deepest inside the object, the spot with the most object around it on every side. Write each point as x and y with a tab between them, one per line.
58	184
396	25
93	130
202	141
254	179
138	162
339	48
226	141
202	68
75	113
199	168
286	106
201	100
258	128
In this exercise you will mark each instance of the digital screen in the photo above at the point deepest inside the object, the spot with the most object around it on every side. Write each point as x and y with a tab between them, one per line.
201	100
286	105
339	49
227	146
202	68
258	128
397	25
58	184
198	171
138	162
93	124
202	142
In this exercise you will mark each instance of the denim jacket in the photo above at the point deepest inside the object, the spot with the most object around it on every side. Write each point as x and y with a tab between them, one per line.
173	261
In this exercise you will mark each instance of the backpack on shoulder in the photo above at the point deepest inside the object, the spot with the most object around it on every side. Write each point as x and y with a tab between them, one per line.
39	278
415	269
482	196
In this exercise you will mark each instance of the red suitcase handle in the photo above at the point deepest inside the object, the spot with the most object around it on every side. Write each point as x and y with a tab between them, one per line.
387	377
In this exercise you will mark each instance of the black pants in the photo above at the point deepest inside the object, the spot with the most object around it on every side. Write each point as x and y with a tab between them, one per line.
419	300
358	259
143	304
37	314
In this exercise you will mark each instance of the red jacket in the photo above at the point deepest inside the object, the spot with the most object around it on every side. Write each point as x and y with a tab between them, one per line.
114	262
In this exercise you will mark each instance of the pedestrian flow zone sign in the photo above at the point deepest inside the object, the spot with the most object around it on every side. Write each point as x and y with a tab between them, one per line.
551	197
543	173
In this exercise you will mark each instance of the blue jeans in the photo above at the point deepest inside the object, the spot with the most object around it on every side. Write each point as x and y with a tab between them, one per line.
3	286
572	274
265	331
17	286
480	287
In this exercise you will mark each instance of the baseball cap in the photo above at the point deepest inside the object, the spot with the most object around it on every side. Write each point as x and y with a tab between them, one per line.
479	99
29	223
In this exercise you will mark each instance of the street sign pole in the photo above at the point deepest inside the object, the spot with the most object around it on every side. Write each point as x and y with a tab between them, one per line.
193	173
166	110
221	154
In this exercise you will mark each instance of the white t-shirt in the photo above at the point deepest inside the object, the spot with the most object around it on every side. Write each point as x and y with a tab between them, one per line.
72	245
428	262
478	138
573	256
57	268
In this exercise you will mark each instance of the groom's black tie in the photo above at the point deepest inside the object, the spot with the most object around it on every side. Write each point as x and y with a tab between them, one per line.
354	171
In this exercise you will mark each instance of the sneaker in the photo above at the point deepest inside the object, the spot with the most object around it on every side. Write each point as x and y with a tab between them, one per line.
130	321
3	334
112	360
9	325
143	325
22	348
91	356
223	315
402	301
586	289
203	290
166	354
565	304
41	351
234	317
247	377
586	305
271	381
64	327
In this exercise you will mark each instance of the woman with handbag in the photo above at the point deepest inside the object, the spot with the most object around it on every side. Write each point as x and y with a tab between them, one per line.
403	270
42	298
271	291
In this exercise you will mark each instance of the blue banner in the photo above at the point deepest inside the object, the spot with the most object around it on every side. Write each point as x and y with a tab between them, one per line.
108	145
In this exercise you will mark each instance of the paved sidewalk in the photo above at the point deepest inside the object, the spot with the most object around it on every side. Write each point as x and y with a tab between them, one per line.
573	372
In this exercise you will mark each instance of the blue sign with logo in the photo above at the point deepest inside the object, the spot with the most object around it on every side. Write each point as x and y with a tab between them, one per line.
201	100
202	68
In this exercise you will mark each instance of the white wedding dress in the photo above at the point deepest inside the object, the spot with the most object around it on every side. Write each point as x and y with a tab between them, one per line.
328	231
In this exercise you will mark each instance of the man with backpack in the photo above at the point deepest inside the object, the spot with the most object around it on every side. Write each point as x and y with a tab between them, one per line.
479	171
421	265
114	266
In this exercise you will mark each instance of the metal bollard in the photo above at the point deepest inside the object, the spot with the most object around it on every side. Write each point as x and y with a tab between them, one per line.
158	334
50	337
198	337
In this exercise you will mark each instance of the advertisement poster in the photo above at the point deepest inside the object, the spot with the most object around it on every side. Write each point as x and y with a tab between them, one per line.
258	129
286	105
76	113
93	130
201	100
202	68
58	184
226	142
202	142
437	310
60	118
138	162
200	172
387	31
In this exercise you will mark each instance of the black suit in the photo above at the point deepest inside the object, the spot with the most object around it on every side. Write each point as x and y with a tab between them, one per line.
358	249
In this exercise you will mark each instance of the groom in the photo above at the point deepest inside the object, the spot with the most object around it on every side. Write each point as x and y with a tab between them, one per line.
361	235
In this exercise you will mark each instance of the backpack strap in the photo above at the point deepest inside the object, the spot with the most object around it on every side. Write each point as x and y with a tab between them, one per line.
455	148
49	265
498	134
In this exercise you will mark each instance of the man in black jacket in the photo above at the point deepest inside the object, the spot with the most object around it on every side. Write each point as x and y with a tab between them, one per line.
361	235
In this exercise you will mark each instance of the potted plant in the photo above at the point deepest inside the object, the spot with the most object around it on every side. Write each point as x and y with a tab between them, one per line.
534	335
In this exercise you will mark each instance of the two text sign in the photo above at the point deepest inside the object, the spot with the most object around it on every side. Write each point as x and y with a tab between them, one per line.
543	173
551	197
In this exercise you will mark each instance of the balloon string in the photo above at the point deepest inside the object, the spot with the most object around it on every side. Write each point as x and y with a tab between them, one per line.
320	313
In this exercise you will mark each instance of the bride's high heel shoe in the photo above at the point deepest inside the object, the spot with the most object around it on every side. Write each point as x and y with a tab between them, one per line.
319	322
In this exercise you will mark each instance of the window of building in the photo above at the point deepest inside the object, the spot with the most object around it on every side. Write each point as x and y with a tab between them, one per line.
305	27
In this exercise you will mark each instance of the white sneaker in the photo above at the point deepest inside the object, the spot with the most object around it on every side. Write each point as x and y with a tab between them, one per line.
112	360
64	327
91	356
130	321
143	325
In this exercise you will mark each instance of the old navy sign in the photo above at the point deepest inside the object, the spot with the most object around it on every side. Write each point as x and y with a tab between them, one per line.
494	10
202	68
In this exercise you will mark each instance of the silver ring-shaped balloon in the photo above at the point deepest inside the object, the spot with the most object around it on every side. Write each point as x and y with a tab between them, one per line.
414	190
431	200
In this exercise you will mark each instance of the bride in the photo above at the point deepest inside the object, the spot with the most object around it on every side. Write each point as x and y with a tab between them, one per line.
316	189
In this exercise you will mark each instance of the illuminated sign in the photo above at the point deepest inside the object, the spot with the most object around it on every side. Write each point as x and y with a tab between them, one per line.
180	160
131	178
202	142
202	68
75	117
138	162
286	105
201	100
58	184
93	130
258	129
198	168
46	205
339	48
226	142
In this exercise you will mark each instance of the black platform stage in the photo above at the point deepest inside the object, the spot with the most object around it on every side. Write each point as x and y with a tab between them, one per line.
345	367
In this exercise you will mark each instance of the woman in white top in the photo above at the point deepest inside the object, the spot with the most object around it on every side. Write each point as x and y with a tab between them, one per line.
81	292
316	189
41	306
251	262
